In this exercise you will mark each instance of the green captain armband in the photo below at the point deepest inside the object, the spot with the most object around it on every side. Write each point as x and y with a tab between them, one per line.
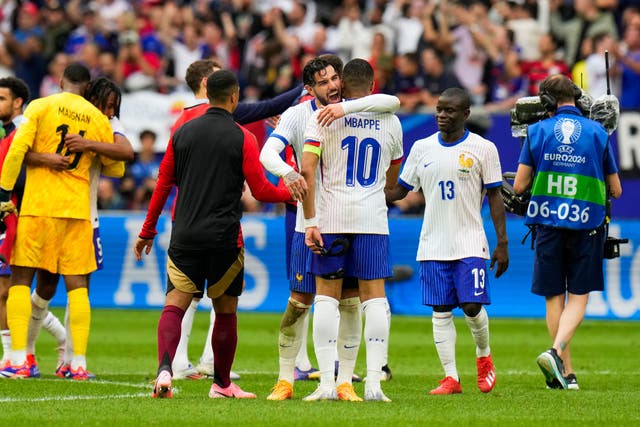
312	147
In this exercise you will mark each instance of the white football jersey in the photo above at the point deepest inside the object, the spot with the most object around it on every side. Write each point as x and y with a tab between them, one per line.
356	152
453	178
94	174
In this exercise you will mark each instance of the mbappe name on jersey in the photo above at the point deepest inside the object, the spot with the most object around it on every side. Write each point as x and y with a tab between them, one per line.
356	122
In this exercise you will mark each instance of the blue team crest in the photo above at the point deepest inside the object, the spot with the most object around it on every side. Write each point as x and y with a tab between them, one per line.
567	130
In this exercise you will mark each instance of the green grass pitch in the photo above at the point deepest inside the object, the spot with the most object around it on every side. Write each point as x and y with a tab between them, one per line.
122	353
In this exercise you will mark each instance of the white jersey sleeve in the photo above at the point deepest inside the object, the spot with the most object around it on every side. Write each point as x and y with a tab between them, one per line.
380	103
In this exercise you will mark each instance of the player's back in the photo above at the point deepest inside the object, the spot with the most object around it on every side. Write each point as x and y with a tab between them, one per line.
63	194
208	154
356	152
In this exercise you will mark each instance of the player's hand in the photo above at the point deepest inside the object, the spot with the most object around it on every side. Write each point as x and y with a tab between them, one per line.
6	205
76	143
313	240
142	245
329	113
272	121
54	161
296	185
501	257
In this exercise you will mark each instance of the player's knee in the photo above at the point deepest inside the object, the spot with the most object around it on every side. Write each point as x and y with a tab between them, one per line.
442	308
471	309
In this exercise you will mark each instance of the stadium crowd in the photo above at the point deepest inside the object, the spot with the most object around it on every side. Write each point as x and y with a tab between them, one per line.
497	50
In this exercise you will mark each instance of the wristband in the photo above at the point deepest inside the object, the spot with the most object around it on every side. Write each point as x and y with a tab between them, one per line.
310	222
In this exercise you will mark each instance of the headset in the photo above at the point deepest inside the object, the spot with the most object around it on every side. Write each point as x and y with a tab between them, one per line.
550	103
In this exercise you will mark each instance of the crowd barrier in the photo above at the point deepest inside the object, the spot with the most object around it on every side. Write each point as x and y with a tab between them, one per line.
127	283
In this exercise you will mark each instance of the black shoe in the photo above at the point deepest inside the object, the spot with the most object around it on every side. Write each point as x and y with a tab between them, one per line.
572	382
386	373
552	367
554	384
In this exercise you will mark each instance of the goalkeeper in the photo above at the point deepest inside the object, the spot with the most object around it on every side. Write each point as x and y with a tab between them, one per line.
568	165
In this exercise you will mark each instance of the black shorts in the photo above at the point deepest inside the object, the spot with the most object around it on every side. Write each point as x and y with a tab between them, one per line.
568	261
221	270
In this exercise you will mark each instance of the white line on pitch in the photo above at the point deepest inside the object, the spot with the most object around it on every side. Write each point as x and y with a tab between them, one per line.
59	398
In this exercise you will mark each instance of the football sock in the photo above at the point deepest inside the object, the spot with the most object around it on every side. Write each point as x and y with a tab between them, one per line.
326	318
18	314
444	337
479	326
386	353
302	358
349	336
207	351
169	327
224	342
6	344
181	359
376	335
39	310
53	325
290	337
68	346
79	321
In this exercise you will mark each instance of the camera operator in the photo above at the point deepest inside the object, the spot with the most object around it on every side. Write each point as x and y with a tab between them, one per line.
567	163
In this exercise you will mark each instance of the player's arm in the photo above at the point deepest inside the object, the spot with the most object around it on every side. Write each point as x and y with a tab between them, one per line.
524	178
379	103
271	160
496	207
121	149
254	111
260	186
54	161
164	184
310	160
21	144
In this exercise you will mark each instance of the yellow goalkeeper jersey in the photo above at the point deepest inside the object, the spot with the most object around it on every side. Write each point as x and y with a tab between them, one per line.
51	193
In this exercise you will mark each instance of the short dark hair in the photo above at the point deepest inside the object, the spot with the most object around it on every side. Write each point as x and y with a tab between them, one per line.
147	133
98	93
17	87
77	73
357	74
458	93
314	66
220	85
335	61
197	71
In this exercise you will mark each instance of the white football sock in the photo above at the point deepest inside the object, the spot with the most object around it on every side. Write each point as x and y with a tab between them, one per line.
6	344
376	335
68	346
326	318
386	353
479	326
181	359
53	325
39	310
302	358
349	336
290	337
207	351
444	337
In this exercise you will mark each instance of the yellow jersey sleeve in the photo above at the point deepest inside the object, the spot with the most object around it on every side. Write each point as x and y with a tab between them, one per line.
21	144
61	194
